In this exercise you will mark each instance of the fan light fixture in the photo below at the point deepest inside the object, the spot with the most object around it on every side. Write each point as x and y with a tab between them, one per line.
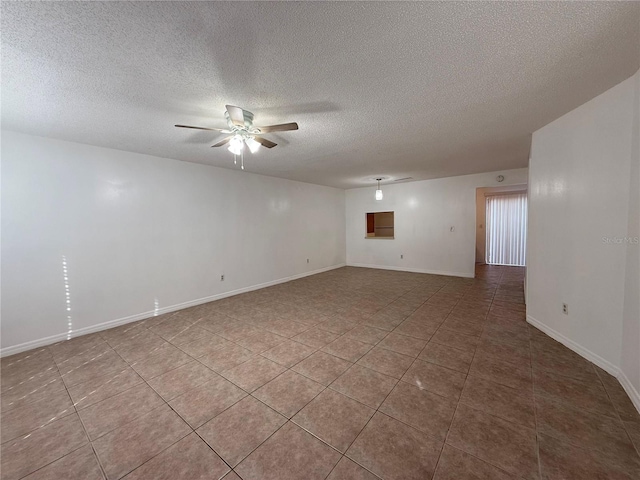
379	195
236	144
241	131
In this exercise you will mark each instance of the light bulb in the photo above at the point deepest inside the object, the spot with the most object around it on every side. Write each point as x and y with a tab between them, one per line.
253	144
236	145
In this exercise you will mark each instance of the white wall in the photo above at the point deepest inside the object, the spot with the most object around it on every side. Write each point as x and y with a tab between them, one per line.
579	198
630	357
141	232
425	211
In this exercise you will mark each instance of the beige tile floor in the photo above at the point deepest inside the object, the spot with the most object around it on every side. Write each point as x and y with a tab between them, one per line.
350	374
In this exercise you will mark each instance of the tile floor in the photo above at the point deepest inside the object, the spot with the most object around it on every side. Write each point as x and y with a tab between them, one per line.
350	374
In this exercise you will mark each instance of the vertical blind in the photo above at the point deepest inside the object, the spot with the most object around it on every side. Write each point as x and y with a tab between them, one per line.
506	229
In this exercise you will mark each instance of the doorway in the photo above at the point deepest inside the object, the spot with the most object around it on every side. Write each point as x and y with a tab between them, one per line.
498	239
506	232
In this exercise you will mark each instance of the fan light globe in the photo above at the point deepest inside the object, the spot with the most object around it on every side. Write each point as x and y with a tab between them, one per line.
236	145
253	144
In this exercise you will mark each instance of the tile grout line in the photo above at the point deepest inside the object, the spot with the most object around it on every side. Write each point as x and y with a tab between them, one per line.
248	394
84	428
459	401
444	443
325	388
193	431
48	349
377	410
381	403
571	406
166	402
360	322
535	407
139	416
131	421
615	409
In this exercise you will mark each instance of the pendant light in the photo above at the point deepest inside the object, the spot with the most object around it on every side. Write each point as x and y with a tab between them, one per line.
379	195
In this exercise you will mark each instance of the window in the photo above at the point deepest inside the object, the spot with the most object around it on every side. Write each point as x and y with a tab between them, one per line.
380	225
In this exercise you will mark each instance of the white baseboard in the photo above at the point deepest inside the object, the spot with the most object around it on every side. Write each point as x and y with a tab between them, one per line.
22	347
607	366
414	270
579	349
634	395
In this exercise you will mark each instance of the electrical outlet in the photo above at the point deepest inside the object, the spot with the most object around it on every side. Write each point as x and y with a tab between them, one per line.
565	309
401	256
307	260
222	278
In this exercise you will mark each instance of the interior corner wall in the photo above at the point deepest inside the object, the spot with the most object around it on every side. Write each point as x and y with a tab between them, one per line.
579	224
140	235
630	358
425	213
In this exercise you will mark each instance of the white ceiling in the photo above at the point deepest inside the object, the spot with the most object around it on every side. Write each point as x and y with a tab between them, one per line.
418	90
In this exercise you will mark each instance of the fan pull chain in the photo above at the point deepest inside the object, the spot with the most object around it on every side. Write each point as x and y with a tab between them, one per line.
242	160
235	161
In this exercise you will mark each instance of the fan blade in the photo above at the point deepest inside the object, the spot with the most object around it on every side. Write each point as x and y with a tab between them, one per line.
236	114
278	128
222	142
201	128
265	143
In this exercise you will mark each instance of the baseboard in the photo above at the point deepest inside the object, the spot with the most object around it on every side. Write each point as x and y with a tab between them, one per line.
22	347
579	349
634	395
607	366
413	270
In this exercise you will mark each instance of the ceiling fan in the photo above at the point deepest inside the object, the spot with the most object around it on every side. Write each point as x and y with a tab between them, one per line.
242	131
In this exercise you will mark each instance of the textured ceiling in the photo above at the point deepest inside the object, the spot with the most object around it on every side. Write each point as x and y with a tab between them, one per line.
398	90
